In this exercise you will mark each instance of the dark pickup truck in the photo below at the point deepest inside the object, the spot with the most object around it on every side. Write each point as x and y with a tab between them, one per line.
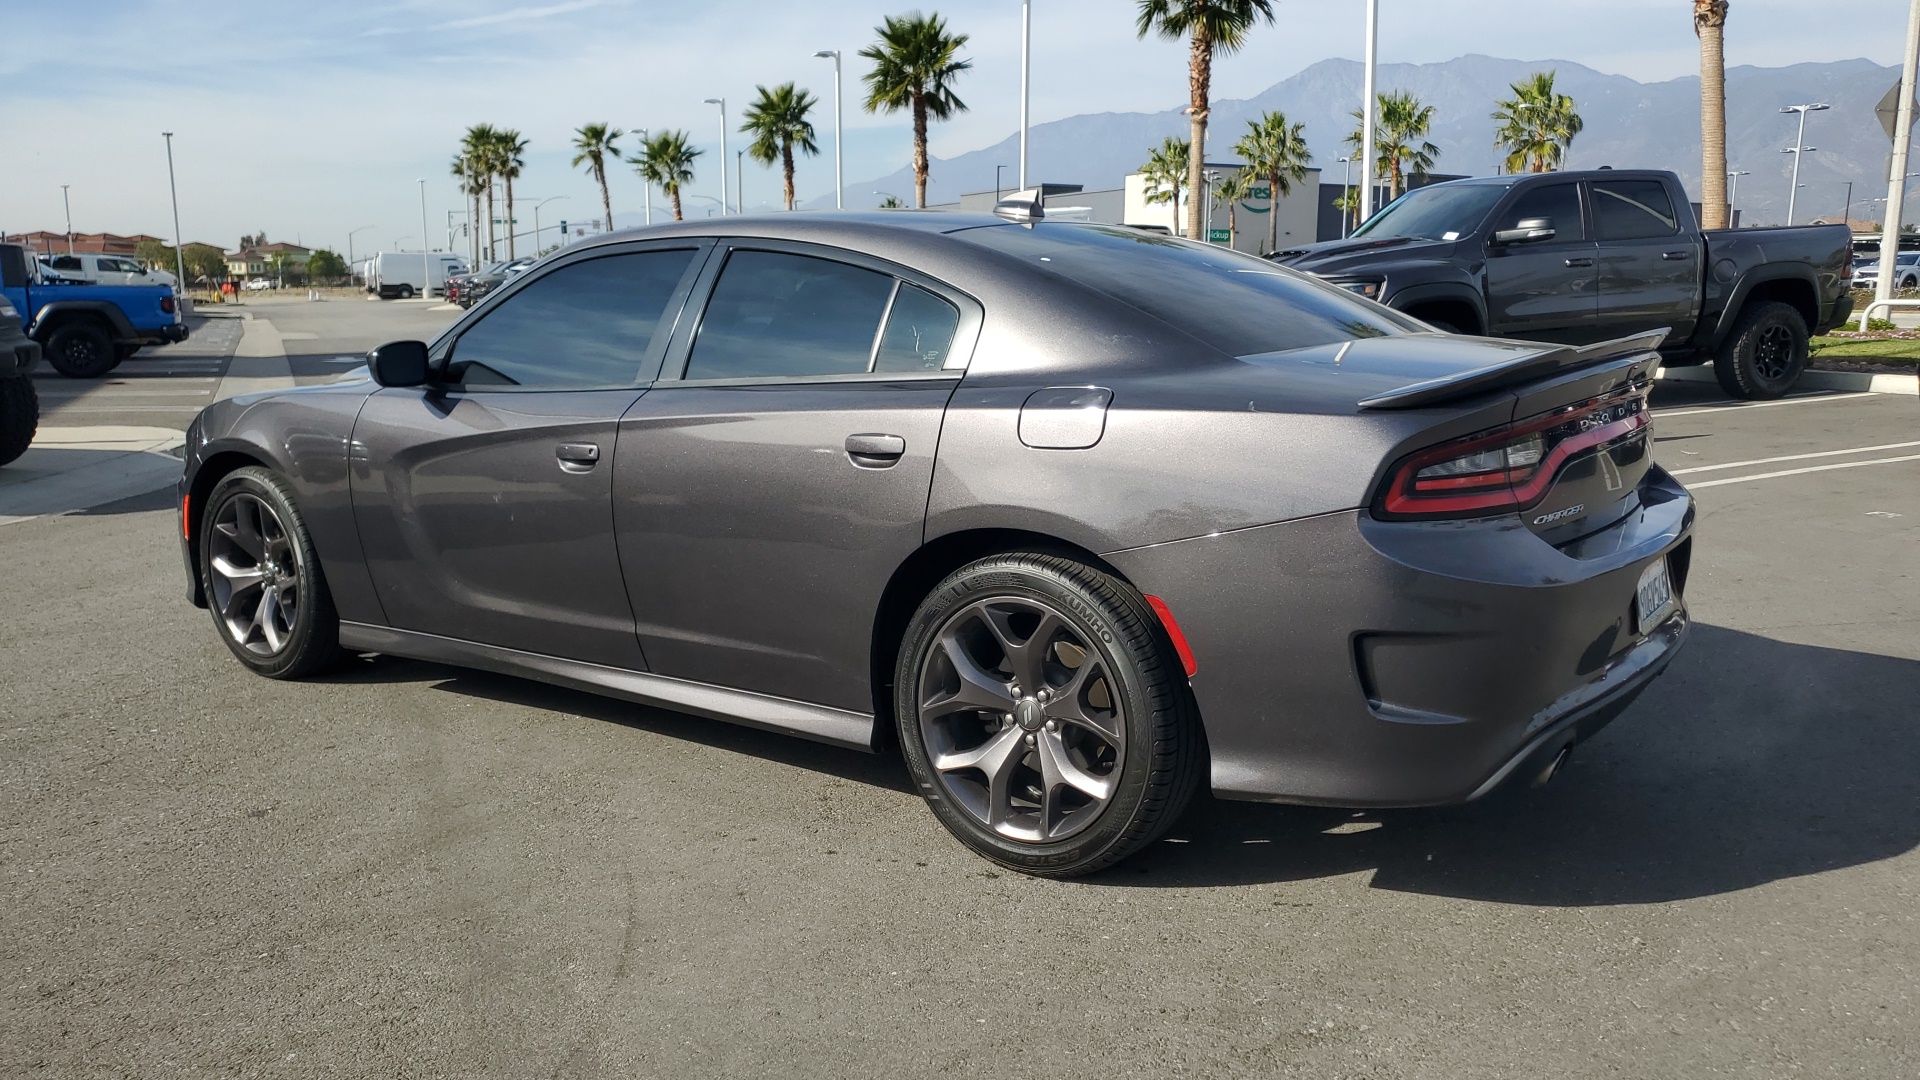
1582	257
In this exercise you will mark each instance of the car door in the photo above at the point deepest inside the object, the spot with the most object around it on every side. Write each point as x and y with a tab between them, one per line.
1546	290
484	500
764	495
1650	265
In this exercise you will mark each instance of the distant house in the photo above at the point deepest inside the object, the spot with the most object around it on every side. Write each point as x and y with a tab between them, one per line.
83	243
257	261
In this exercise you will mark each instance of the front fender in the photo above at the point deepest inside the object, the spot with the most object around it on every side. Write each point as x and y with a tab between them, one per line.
1451	292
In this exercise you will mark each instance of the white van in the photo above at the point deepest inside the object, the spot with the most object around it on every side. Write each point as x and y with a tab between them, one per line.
109	270
405	275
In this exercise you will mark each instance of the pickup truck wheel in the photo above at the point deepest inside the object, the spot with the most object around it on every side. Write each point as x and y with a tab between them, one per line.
81	350
19	417
1765	354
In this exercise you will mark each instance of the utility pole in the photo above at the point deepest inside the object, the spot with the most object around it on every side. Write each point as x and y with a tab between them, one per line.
1897	178
1367	112
1026	72
839	185
69	208
179	255
722	102
1799	149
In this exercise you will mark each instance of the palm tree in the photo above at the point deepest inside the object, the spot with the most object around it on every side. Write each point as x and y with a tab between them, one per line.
1210	27
1230	189
914	65
1709	24
666	159
477	150
466	169
508	148
1166	175
1402	121
778	123
595	143
1537	125
1276	151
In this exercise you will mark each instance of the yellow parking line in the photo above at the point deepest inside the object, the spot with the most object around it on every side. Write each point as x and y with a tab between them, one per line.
1796	472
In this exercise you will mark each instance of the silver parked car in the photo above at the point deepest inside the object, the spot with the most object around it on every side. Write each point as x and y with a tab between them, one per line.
1079	517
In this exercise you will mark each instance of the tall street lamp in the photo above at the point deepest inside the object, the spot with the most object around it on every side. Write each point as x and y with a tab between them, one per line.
839	199
997	169
1346	196
361	229
536	221
69	208
722	102
1368	108
179	255
1026	72
1799	149
646	185
424	242
739	181
1733	192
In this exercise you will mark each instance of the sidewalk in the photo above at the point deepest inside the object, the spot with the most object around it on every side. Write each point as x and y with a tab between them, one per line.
76	468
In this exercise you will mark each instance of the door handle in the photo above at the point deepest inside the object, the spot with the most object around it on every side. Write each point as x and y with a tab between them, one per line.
577	457
1676	256
873	451
1579	262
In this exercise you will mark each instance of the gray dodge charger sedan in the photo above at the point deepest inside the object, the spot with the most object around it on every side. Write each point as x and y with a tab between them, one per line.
1078	517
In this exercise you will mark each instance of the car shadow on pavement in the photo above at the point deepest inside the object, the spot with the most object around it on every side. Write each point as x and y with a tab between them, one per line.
878	770
1749	761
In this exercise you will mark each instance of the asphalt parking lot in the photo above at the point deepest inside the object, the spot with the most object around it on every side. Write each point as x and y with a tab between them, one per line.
411	870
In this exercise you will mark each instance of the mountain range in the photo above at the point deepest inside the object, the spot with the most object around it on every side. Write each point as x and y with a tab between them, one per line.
1628	124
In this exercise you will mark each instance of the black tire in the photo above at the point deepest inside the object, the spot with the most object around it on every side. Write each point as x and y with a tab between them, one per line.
310	638
123	353
406	292
1765	354
19	417
1151	782
81	350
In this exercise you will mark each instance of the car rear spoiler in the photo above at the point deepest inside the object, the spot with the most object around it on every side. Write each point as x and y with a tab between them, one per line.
1523	369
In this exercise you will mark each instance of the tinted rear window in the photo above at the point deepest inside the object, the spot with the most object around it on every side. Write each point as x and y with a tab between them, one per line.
1234	302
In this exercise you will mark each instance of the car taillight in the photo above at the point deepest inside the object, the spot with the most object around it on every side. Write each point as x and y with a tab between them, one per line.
166	304
1511	467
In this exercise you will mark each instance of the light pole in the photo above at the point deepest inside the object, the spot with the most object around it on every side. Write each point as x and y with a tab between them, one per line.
424	242
1346	196
646	185
361	229
997	169
69	208
722	102
179	254
739	181
1733	192
536	221
839	200
1897	167
1026	71
1846	213
1799	149
1367	111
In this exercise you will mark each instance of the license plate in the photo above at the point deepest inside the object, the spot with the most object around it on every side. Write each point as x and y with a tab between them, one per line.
1653	596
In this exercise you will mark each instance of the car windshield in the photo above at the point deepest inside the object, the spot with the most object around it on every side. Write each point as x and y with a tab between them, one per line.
1440	212
1233	302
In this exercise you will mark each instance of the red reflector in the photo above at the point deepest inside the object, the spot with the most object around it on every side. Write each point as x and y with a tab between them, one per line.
1179	639
186	526
166	304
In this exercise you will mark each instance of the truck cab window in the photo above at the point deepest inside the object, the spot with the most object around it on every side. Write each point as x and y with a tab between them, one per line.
1632	210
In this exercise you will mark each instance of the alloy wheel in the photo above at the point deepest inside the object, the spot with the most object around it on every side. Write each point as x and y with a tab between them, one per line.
254	569
1773	353
1022	719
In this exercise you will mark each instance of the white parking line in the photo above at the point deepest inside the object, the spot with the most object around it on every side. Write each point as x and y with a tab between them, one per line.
1798	399
1797	472
1795	457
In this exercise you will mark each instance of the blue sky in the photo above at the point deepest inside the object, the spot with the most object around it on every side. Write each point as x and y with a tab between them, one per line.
311	119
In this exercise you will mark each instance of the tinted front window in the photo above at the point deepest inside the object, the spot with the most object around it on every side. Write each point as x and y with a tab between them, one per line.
587	324
1632	210
1236	303
775	315
65	262
1440	212
1559	204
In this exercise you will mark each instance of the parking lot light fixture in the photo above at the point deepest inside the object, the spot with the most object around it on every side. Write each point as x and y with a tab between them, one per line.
179	255
424	242
646	186
1369	106
536	219
1346	196
68	207
1799	149
350	233
722	102
1733	190
839	185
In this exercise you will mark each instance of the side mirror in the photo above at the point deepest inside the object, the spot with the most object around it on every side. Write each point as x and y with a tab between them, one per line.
399	363
1527	231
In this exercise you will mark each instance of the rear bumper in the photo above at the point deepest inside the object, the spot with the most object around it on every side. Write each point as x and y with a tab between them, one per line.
169	334
1352	662
1842	309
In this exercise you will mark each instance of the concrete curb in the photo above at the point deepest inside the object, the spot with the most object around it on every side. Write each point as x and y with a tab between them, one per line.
1858	382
